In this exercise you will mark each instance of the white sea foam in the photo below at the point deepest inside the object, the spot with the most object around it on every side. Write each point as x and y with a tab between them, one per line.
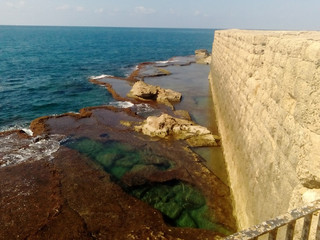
119	104
14	150
100	77
163	62
138	108
143	108
21	126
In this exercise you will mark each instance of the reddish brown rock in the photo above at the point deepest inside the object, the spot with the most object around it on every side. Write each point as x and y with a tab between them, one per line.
71	198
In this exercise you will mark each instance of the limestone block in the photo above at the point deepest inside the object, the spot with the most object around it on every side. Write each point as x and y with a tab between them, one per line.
305	70
289	77
293	48
267	100
309	169
307	108
312	52
310	195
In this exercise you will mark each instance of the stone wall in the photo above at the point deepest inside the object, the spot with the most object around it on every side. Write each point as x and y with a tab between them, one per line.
266	91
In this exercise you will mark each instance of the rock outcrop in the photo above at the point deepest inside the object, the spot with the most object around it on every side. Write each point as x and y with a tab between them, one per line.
166	126
144	91
203	56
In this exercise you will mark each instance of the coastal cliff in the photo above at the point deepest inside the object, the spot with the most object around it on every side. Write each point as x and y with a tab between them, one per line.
266	93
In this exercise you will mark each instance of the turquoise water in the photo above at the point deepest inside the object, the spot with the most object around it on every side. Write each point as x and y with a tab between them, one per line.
45	70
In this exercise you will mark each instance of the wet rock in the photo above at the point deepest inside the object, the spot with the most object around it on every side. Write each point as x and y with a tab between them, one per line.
166	126
183	114
142	90
203	56
148	69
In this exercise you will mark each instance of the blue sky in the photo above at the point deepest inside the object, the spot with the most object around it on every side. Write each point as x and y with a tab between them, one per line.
248	14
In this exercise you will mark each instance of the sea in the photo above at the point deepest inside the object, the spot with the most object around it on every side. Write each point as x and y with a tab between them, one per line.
45	70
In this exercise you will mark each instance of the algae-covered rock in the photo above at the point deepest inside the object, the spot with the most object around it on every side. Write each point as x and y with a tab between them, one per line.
87	146
179	201
118	171
204	219
171	209
106	159
188	195
139	167
185	221
127	161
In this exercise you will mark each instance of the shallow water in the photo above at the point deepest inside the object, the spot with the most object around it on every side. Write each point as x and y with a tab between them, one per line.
181	204
119	158
192	82
214	160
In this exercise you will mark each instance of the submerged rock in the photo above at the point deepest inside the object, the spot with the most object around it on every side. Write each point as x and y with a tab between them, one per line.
165	126
142	90
203	56
183	114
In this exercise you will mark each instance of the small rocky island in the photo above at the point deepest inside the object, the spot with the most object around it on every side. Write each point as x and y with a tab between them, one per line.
122	171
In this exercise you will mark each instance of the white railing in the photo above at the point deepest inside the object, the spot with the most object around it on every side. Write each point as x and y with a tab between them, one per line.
269	229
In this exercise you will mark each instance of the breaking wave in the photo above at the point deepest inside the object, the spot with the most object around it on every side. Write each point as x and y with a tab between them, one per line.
14	150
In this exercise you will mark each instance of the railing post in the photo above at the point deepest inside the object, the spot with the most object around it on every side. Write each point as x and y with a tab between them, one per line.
290	230
318	228
273	234
306	227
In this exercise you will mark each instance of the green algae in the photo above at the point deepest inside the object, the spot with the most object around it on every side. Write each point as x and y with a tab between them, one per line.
181	204
185	220
119	158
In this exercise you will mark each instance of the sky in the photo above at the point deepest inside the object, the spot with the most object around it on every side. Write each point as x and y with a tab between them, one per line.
243	14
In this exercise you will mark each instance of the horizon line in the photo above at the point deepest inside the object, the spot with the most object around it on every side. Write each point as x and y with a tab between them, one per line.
93	26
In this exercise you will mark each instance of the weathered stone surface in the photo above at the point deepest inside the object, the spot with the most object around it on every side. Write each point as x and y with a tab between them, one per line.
265	87
168	95
308	169
142	90
203	56
166	126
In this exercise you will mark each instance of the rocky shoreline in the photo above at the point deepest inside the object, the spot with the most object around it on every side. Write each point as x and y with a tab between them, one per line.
107	159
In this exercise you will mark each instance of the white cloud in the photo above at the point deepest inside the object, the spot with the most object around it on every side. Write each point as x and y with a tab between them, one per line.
67	7
17	4
144	10
99	10
79	8
63	7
